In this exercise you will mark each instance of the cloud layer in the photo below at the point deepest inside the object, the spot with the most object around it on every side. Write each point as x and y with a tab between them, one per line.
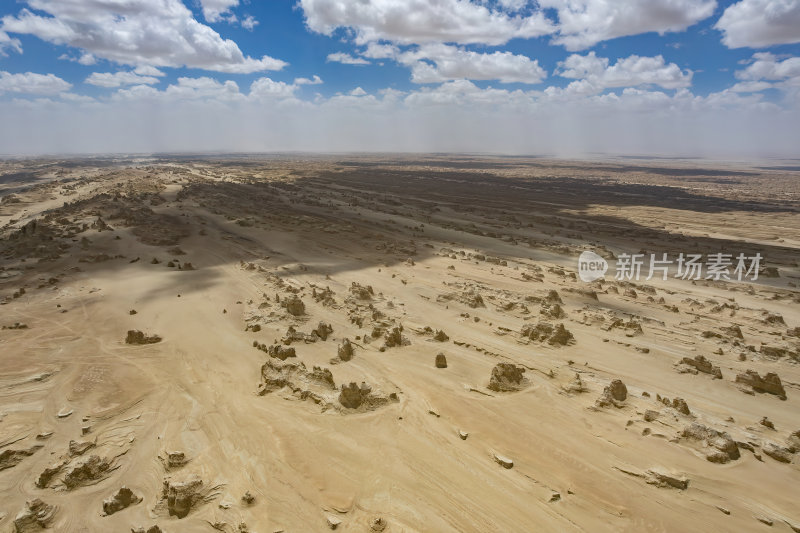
161	33
578	24
464	87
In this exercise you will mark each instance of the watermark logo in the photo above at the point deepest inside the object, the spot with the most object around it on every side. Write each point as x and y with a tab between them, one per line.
637	267
591	266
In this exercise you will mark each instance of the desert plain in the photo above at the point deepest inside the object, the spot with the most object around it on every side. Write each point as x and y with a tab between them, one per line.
394	343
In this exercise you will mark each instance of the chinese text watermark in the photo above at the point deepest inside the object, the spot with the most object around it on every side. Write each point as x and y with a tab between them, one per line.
635	267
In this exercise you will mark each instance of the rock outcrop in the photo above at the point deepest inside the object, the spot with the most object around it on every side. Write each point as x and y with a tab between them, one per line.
353	397
11	458
507	377
680	405
779	453
361	292
719	446
667	480
701	364
36	516
176	459
48	474
79	448
770	383
613	394
123	499
344	352
545	332
440	336
294	305
87	472
322	330
275	376
503	461
137	337
182	496
281	352
394	338
576	386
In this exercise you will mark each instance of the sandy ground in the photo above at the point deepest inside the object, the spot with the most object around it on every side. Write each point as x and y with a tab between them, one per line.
216	259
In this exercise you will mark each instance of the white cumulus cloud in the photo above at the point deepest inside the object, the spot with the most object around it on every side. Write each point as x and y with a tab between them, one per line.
32	83
584	23
419	21
316	80
760	23
594	74
119	79
217	10
7	43
161	33
249	22
578	24
435	63
767	66
346	59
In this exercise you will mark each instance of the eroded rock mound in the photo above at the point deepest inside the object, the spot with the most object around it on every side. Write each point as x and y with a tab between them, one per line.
48	474
545	332
316	385
361	292
779	453
666	480
441	360
701	364
322	330
680	405
79	448
576	386
345	350
394	337
770	383
734	331
292	335
87	472
793	442
323	296
440	336
354	396
182	496
720	447
137	337
123	499
281	352
507	377
470	298
294	305
11	458
632	327
614	394
176	459
502	460
276	375
36	516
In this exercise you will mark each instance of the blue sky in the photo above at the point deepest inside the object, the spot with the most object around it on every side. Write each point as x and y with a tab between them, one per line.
423	65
